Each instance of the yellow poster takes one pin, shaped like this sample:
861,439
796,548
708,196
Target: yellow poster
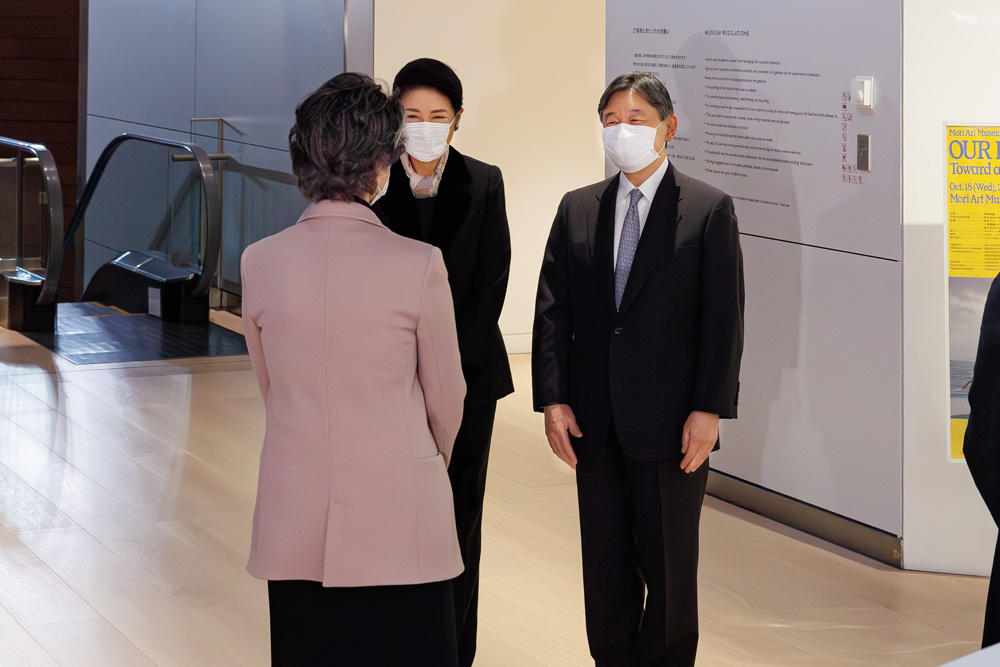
973,201
973,196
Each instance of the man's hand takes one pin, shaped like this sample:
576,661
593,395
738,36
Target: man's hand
701,432
560,422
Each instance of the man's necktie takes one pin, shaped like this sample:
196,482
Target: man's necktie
627,245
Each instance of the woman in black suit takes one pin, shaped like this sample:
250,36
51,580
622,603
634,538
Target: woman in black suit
456,203
982,441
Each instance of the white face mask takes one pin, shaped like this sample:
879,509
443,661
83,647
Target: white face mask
427,141
630,147
382,190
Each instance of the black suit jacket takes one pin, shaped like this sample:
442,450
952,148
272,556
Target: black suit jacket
676,343
469,225
982,437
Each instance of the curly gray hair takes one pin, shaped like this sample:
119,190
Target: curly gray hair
343,133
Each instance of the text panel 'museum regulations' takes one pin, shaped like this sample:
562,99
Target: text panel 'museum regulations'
766,113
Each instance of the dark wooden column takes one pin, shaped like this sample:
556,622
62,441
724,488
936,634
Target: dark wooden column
40,90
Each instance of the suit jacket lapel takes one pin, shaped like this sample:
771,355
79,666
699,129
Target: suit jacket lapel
657,241
602,239
453,200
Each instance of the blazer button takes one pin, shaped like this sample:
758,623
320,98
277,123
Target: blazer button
618,331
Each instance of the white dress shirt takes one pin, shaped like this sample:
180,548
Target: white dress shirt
625,188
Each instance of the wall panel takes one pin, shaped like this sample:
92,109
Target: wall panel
820,406
254,67
154,67
142,61
762,91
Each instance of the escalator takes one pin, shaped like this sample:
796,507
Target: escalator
147,233
30,252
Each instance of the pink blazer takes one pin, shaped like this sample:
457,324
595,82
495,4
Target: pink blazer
351,334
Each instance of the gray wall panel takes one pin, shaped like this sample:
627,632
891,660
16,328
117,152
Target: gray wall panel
129,207
153,68
820,405
255,66
360,25
145,200
142,61
102,130
759,92
260,198
766,114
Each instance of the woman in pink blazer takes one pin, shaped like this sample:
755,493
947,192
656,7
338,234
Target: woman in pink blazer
351,333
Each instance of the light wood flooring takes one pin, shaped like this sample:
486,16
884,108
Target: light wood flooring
125,500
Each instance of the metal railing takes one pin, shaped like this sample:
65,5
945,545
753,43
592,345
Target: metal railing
212,225
50,198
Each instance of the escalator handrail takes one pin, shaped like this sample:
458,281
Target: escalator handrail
53,191
210,188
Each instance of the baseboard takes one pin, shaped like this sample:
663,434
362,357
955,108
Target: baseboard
830,526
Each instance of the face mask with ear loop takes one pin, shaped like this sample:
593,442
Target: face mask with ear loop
382,190
385,186
630,147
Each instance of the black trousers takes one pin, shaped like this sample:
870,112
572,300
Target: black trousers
371,626
639,525
467,470
991,625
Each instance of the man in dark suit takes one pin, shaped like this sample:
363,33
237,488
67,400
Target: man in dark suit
982,441
637,344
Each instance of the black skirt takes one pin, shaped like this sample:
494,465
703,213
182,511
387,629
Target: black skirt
376,626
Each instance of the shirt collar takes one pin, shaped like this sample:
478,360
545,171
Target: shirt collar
427,185
343,210
648,187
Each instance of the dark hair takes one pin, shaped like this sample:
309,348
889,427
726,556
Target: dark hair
343,132
429,73
647,85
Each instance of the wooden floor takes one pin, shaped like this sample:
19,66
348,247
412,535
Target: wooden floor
125,500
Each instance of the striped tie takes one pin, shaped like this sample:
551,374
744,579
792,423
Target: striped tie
627,245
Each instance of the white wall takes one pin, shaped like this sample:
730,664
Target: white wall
945,525
532,74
